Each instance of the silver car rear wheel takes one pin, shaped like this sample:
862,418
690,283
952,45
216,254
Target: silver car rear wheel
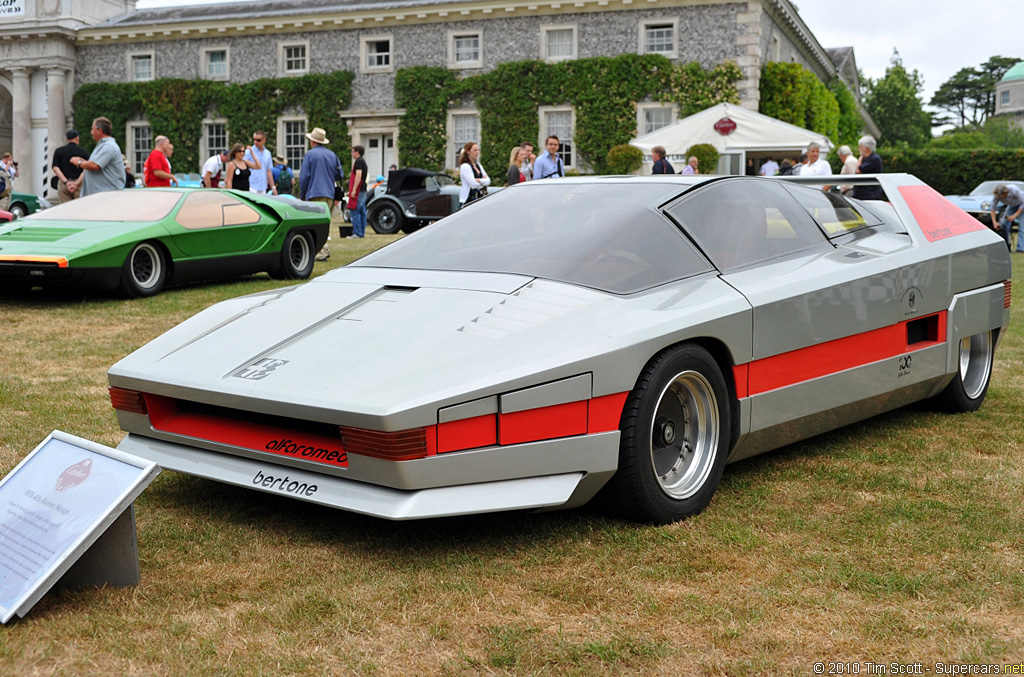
967,390
976,363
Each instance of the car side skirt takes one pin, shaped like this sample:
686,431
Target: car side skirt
527,481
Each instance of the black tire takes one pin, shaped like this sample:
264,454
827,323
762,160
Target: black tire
19,210
297,257
675,438
386,218
413,226
144,271
969,386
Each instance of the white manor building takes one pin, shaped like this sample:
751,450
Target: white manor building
50,47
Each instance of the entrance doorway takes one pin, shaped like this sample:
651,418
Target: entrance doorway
380,153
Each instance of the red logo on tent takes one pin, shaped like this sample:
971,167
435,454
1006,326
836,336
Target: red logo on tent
725,126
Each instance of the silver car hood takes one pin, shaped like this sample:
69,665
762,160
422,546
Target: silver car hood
385,349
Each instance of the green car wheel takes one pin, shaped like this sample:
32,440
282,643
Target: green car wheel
144,271
297,256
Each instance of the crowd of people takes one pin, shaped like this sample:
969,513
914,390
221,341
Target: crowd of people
523,165
811,163
77,172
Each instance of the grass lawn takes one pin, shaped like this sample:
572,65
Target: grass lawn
895,540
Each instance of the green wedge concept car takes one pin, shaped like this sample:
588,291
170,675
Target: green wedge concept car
139,241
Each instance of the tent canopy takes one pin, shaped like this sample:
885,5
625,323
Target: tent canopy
754,132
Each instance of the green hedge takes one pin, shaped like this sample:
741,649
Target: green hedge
707,158
791,93
955,172
176,109
604,92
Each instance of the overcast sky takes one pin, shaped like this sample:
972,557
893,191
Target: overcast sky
935,37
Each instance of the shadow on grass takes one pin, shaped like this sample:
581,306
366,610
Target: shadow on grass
242,509
193,498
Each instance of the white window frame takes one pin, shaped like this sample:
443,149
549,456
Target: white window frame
204,142
204,61
282,58
453,63
364,52
641,120
542,112
646,24
282,148
453,152
1004,97
130,155
132,56
548,28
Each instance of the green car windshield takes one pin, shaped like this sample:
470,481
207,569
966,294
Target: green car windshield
122,205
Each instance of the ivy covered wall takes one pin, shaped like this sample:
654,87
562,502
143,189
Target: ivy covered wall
176,109
604,92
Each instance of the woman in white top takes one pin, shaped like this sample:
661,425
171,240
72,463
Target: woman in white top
474,178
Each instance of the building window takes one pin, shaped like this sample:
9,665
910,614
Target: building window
1004,97
463,127
652,117
376,54
464,50
658,37
293,136
215,136
140,138
294,58
558,43
559,122
215,63
140,66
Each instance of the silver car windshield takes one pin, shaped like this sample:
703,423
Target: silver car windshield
602,235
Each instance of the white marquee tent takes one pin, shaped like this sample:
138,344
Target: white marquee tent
754,134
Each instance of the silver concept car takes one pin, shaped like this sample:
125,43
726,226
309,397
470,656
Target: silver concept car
617,337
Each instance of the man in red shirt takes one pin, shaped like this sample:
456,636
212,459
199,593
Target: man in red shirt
157,170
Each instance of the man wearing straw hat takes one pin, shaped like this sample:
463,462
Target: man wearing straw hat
321,170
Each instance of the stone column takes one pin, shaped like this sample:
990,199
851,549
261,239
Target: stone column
748,44
55,118
21,140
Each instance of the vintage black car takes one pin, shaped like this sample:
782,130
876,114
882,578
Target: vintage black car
414,198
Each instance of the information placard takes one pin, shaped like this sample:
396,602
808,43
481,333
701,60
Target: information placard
53,506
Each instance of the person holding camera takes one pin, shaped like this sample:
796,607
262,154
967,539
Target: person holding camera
8,172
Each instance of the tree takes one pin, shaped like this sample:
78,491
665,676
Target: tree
969,96
894,101
1003,133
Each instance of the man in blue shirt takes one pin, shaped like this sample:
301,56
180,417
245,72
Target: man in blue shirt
261,179
549,165
321,170
104,170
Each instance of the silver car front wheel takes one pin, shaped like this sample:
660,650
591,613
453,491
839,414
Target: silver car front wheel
674,438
